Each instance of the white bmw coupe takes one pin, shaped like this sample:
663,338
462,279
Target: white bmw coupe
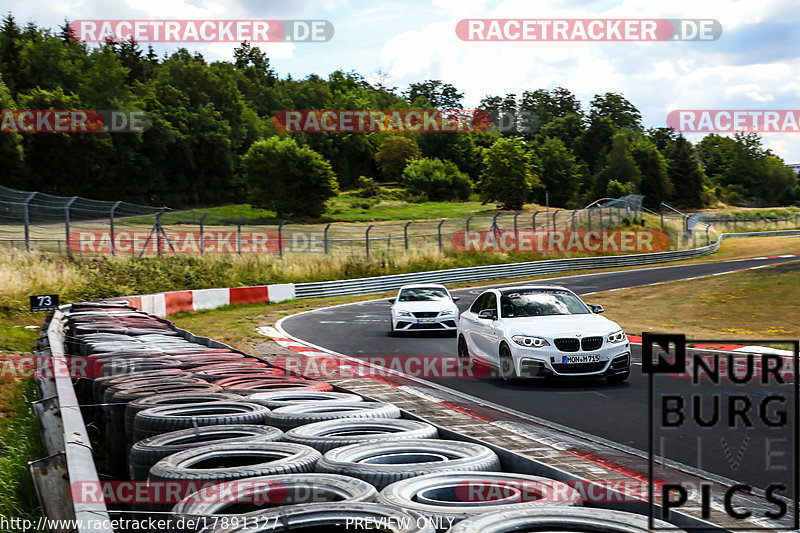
543,331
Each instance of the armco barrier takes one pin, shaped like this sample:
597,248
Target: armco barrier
511,270
167,303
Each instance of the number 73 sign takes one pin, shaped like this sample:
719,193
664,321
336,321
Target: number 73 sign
44,302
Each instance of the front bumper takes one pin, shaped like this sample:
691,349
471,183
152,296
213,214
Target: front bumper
410,323
548,362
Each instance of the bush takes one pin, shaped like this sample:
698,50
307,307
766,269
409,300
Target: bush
436,180
368,188
287,178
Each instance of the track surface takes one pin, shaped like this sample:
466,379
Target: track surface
617,413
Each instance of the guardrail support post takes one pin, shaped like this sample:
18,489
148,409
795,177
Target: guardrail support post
111,225
202,239
405,234
325,238
439,232
280,238
366,239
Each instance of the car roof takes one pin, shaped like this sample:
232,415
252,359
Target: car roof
422,286
508,290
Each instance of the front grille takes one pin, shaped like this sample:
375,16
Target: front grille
568,345
579,368
426,314
435,325
591,343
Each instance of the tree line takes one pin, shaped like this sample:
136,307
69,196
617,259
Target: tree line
212,139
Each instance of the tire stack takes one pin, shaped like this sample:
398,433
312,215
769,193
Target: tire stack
276,452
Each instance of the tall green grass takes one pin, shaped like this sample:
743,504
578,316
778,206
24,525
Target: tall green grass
19,443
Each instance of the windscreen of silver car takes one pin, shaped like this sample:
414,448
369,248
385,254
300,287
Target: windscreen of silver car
540,304
431,294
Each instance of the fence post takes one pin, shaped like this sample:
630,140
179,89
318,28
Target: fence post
439,231
468,219
555,214
325,238
158,232
27,221
589,218
202,234
111,223
573,220
66,220
494,221
366,239
239,236
707,228
516,231
405,234
661,214
533,220
280,238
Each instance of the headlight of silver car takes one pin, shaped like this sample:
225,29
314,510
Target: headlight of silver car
402,313
617,336
447,312
530,342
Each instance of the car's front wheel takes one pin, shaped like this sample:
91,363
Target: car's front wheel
463,350
506,364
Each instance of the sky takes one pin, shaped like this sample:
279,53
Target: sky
754,65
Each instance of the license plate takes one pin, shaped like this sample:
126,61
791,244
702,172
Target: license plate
426,320
572,359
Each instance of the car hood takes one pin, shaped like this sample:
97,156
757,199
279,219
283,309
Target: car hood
424,306
562,325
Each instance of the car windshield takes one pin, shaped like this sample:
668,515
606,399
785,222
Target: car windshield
540,303
423,294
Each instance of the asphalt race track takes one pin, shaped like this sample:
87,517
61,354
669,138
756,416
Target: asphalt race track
616,413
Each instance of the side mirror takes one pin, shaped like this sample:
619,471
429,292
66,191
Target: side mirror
488,314
596,308
456,298
391,300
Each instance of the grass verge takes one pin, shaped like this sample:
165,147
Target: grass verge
754,304
19,443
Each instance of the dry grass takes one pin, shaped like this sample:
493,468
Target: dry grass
751,304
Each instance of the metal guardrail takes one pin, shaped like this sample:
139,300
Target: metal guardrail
70,457
510,270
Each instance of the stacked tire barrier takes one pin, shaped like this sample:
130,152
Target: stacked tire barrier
260,449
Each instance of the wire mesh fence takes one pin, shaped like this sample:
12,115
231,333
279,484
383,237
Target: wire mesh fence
44,222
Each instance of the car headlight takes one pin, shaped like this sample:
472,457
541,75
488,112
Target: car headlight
402,313
530,342
617,336
447,312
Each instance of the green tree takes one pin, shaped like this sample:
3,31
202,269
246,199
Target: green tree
685,173
560,173
508,174
394,153
436,180
287,178
439,95
655,185
619,166
623,114
11,154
